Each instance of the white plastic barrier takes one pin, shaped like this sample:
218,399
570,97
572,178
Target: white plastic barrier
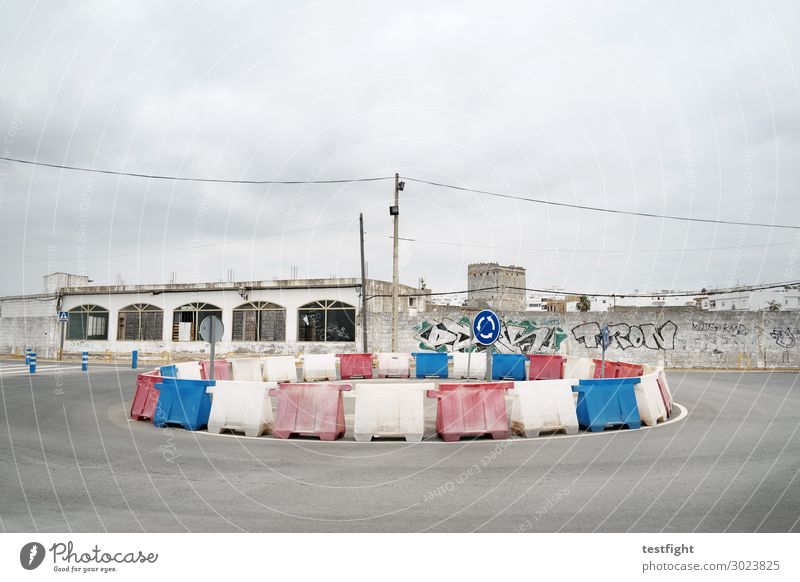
319,367
543,406
280,369
394,410
188,371
576,367
393,364
476,363
649,400
241,406
247,370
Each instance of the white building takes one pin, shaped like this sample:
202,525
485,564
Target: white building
762,299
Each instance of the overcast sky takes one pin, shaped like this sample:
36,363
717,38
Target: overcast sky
670,108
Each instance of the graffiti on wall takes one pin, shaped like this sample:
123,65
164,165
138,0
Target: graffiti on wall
733,329
784,337
521,336
624,336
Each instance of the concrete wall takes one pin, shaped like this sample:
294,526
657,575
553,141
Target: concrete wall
29,322
682,338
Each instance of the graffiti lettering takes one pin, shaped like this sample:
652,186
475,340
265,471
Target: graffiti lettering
626,336
735,329
520,337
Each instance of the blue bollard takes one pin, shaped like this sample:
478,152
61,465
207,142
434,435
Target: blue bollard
85,362
27,356
32,363
135,359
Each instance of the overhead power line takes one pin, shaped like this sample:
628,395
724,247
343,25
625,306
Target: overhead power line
417,180
746,289
599,250
600,209
188,178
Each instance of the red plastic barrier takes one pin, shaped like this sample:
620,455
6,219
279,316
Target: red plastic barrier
223,370
612,369
545,367
471,410
355,366
310,410
146,397
625,370
665,396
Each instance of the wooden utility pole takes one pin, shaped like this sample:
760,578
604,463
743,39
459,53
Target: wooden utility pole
363,286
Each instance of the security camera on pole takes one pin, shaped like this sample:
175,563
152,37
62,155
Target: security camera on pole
395,212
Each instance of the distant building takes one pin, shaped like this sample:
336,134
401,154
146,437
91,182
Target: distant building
781,299
495,286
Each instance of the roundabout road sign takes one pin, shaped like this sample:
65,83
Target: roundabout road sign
486,327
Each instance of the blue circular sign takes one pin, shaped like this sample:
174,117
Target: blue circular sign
486,327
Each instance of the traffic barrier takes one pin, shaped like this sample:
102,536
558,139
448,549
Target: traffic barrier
605,402
183,402
241,406
319,367
84,361
247,370
134,359
543,406
626,370
28,356
649,402
390,410
355,366
476,363
471,410
508,367
32,363
310,410
145,399
611,369
393,365
663,387
576,367
222,370
431,364
168,371
545,367
280,369
188,371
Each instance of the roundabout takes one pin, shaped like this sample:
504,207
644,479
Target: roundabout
76,462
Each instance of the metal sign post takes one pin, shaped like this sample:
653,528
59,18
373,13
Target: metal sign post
63,317
486,329
211,330
604,343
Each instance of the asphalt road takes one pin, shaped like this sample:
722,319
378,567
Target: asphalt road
71,461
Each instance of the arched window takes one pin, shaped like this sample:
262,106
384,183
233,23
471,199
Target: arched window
186,320
88,322
326,321
140,321
259,321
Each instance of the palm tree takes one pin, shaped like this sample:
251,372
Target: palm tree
773,306
584,304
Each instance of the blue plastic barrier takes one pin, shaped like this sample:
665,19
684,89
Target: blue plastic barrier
85,362
169,371
183,402
32,363
607,401
135,359
431,364
508,367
